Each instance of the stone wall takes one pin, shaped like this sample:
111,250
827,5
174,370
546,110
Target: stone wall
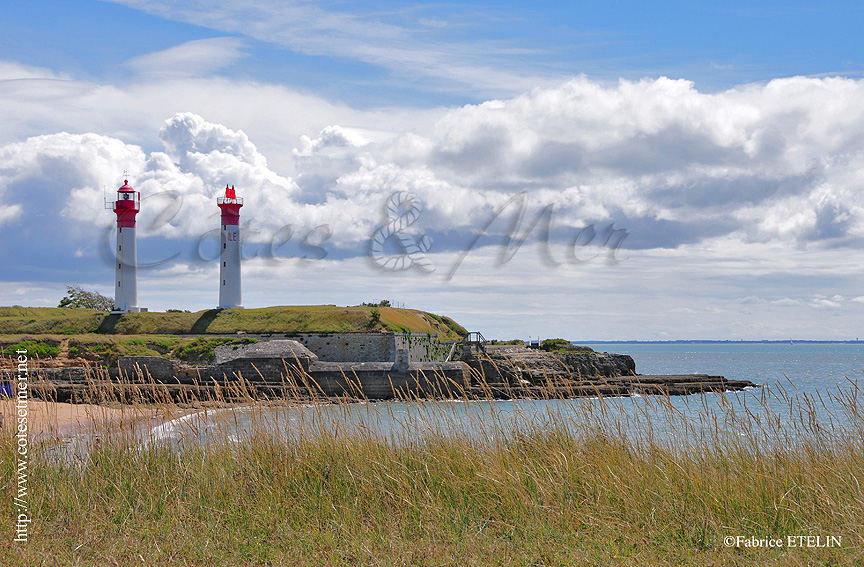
378,381
424,348
135,368
366,347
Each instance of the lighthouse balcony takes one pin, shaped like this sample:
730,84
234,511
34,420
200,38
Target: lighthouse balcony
134,202
229,201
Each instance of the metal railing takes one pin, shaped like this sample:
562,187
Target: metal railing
477,339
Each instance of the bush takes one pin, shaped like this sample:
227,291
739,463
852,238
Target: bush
33,348
510,342
561,345
83,299
374,318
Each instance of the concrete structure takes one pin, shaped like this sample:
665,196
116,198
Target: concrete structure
126,207
229,253
288,366
369,347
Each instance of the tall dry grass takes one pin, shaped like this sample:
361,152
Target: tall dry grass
654,481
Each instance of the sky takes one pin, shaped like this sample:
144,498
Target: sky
585,170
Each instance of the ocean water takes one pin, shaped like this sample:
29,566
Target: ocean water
806,392
809,366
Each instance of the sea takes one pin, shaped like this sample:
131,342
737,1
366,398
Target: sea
807,392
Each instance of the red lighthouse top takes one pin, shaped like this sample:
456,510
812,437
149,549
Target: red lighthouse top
230,206
127,205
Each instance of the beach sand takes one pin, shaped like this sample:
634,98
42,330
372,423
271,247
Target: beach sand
47,420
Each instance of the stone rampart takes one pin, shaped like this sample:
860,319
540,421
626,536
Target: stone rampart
366,347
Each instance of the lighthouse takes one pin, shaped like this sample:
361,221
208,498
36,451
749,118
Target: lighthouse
126,206
229,253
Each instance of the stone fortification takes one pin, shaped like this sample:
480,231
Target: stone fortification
286,366
366,347
267,358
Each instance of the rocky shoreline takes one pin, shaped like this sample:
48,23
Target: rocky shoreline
286,368
520,372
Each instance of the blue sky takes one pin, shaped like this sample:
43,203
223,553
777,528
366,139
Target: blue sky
716,46
725,140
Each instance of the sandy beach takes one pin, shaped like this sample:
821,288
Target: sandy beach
61,420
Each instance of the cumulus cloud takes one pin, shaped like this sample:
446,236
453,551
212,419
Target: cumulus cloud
63,174
35,101
656,157
758,184
779,161
330,137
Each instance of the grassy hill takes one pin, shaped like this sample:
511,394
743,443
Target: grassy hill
285,319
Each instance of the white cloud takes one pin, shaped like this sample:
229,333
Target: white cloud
63,174
824,303
37,102
12,71
738,194
413,50
9,212
196,58
661,159
333,136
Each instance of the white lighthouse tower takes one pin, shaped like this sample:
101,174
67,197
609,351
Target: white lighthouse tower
229,253
126,206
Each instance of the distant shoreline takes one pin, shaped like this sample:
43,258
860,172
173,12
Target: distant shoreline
717,341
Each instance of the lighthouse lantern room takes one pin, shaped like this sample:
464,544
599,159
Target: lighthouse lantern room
126,207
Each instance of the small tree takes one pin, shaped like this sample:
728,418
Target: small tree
77,298
374,318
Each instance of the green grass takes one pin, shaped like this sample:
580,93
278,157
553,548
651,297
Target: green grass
49,320
568,493
284,319
33,349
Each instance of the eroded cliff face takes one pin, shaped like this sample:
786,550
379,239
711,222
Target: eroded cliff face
519,372
598,364
519,365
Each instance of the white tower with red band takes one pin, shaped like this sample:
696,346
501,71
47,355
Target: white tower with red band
126,206
229,253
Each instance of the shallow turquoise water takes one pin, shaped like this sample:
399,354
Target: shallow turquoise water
807,391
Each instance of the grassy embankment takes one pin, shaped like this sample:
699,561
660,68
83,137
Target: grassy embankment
101,338
576,491
300,319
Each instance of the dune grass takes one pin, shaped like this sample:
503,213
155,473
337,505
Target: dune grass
594,485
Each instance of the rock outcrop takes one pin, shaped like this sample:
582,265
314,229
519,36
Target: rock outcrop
517,371
285,367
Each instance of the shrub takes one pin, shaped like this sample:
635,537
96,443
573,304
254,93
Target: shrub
83,299
374,318
34,348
